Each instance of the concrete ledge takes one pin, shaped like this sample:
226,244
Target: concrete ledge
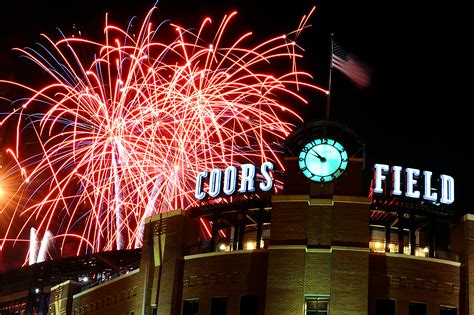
318,250
61,284
351,199
288,247
290,198
222,253
435,260
351,249
302,198
468,217
165,215
106,283
321,202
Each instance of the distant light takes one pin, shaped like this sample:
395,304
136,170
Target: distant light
222,246
250,245
426,249
37,290
84,279
378,245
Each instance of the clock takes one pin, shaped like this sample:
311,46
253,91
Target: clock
323,160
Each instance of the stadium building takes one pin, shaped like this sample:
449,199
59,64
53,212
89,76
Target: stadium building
330,237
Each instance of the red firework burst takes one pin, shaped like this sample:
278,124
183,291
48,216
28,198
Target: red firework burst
123,136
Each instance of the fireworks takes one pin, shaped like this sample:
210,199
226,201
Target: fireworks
122,135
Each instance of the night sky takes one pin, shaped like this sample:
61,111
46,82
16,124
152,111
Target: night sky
416,112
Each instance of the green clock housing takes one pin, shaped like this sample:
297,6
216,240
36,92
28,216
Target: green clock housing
323,160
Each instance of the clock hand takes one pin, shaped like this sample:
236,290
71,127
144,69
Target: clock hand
321,158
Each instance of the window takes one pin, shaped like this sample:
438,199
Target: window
316,305
191,307
385,307
377,239
446,310
249,305
219,306
417,308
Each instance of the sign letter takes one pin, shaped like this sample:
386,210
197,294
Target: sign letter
428,195
447,189
199,194
215,182
230,180
379,177
396,171
411,182
268,184
247,183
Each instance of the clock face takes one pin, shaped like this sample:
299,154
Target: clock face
323,160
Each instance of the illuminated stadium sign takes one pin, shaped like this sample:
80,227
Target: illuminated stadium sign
414,185
226,181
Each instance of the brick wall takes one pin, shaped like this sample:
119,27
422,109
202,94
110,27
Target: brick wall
118,296
158,281
317,278
413,279
350,222
349,281
319,247
285,281
225,274
171,238
61,297
463,242
289,218
320,227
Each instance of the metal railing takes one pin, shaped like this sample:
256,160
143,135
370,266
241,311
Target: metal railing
378,246
226,245
104,277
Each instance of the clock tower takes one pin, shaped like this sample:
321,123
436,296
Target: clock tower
320,225
327,156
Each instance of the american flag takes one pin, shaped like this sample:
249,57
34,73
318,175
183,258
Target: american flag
350,66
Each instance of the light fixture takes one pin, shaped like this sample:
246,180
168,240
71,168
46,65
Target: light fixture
391,247
250,246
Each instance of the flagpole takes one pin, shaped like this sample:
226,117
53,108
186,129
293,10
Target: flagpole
328,100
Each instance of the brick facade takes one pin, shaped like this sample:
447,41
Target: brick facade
318,247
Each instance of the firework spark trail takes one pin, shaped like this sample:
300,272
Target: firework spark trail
123,137
33,246
44,247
